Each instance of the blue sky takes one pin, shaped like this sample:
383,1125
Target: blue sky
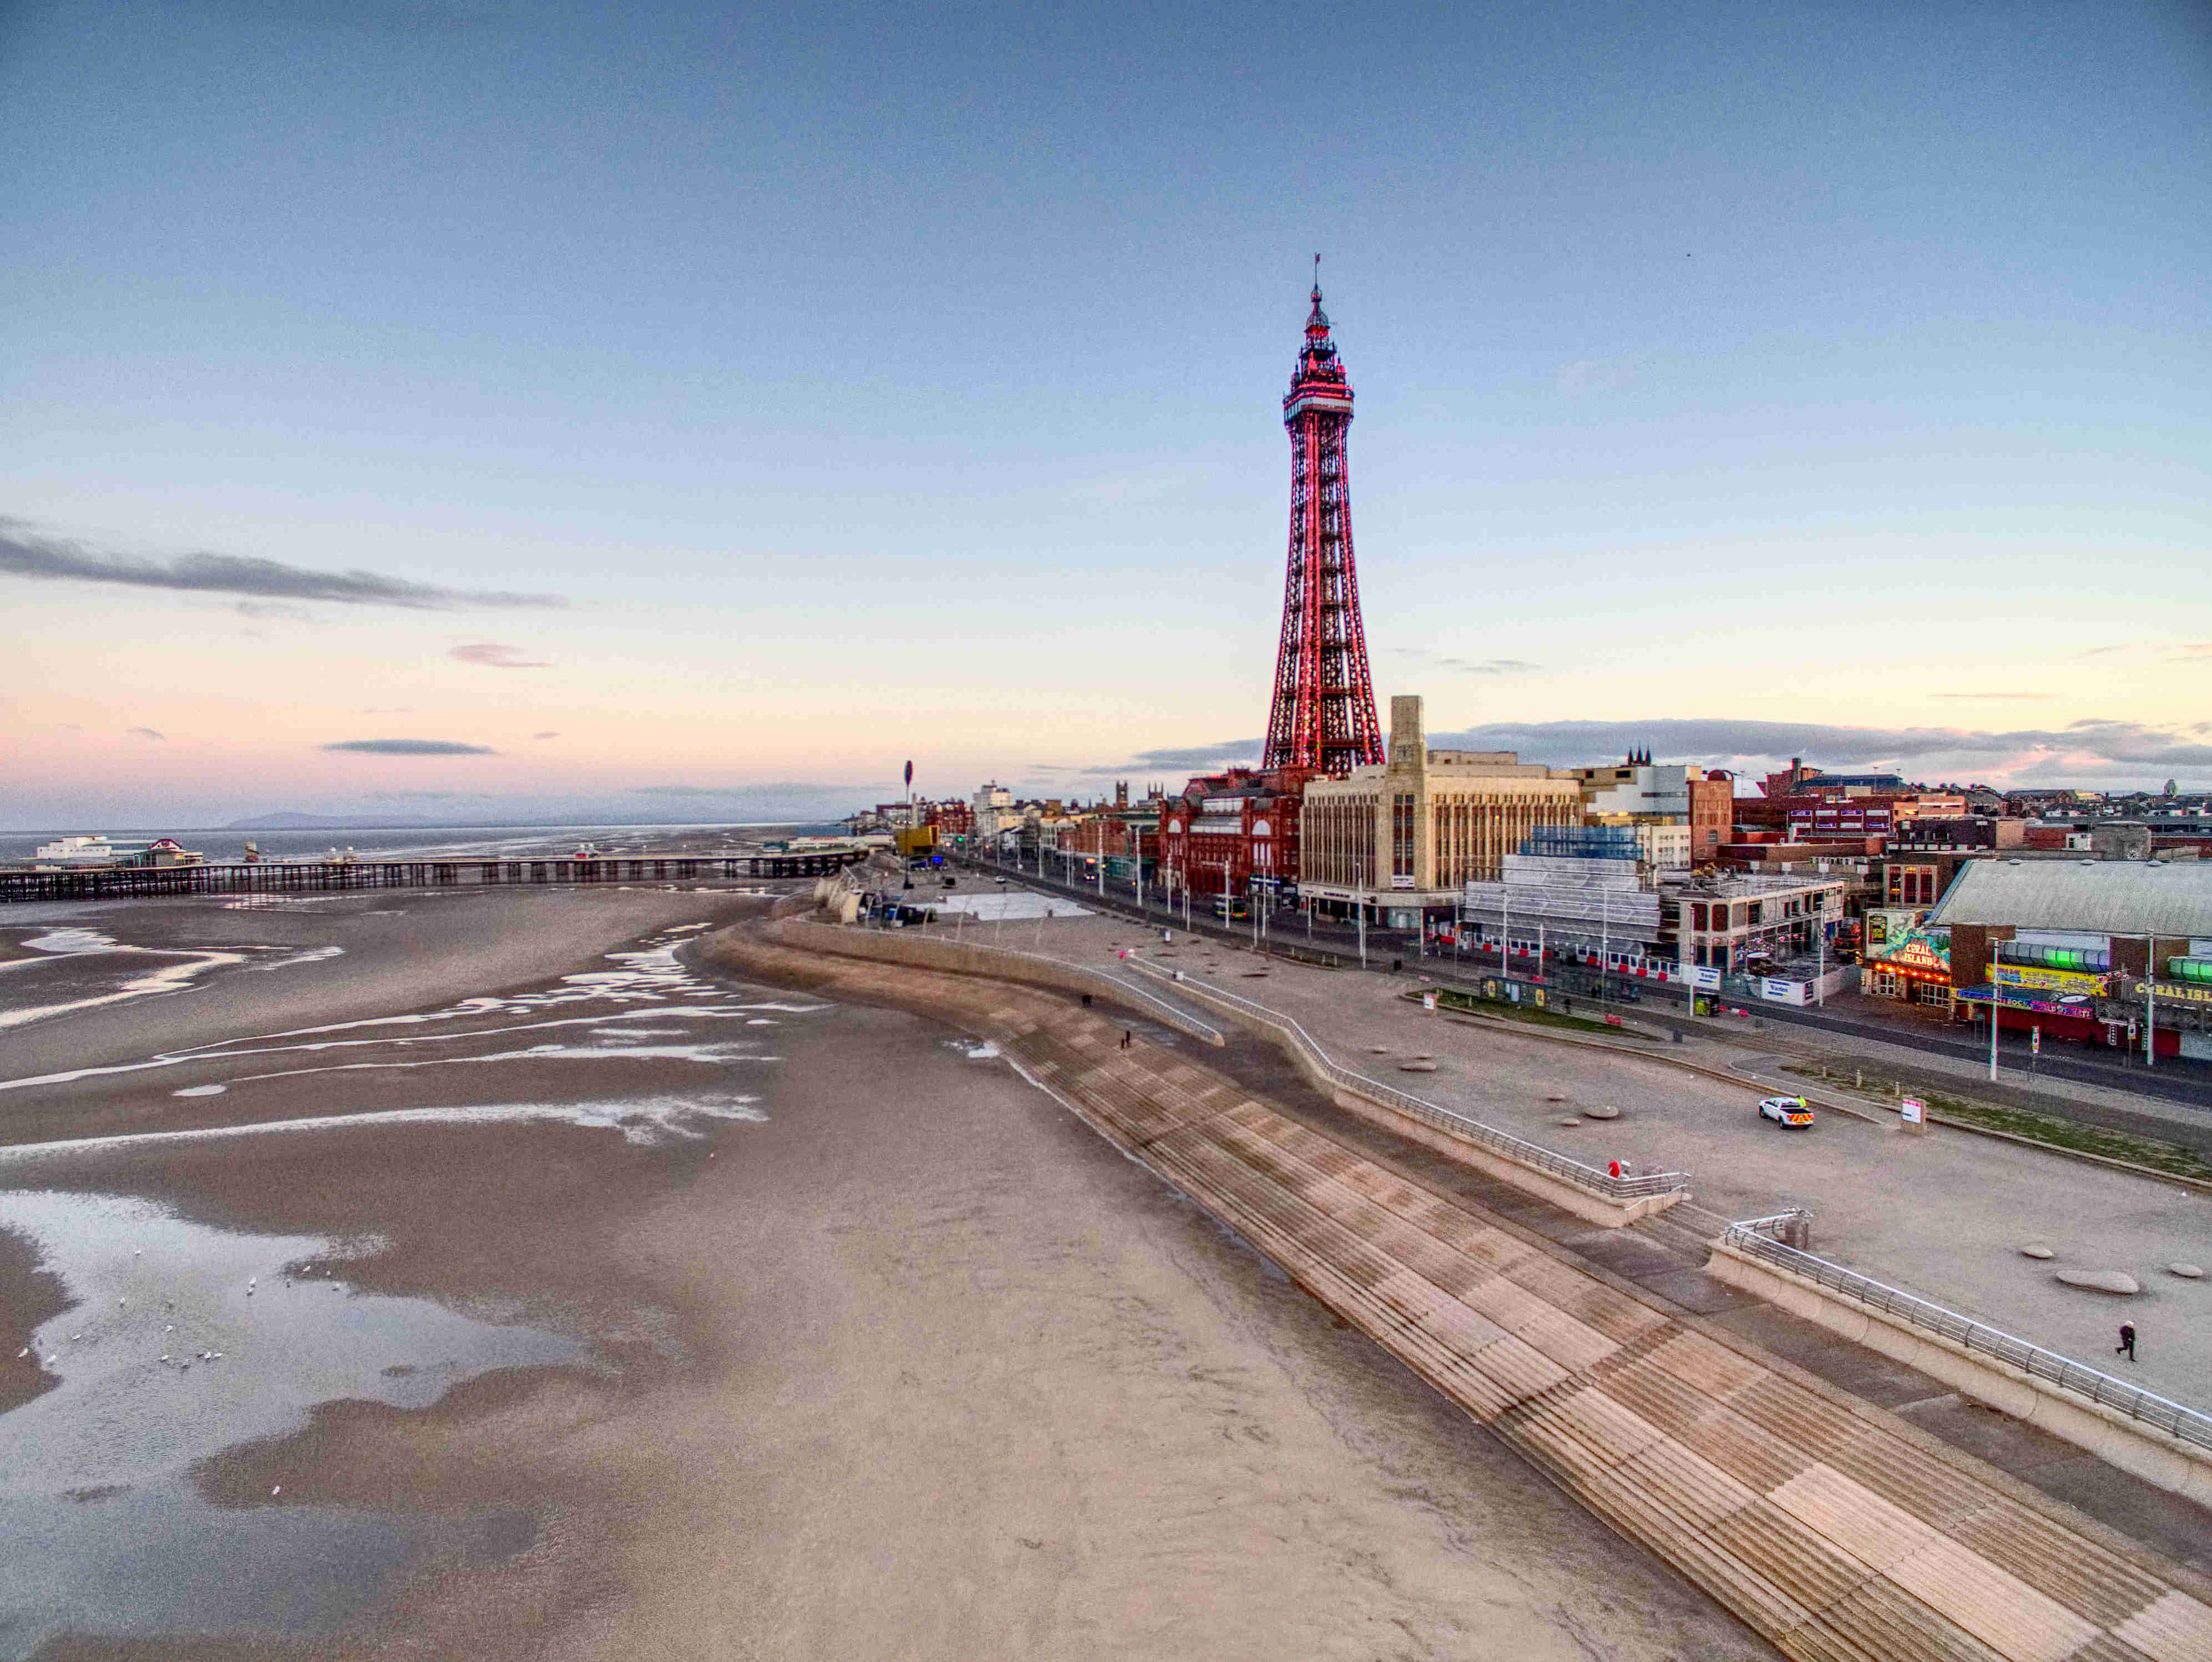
868,383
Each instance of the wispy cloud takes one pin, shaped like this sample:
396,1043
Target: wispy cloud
276,611
1193,756
2089,749
544,735
147,733
492,656
410,747
1989,695
2088,745
25,554
1465,666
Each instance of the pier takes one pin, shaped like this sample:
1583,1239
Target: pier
330,876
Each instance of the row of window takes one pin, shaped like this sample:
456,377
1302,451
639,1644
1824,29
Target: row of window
1911,885
1718,916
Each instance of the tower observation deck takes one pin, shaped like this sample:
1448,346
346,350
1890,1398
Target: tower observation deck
1323,715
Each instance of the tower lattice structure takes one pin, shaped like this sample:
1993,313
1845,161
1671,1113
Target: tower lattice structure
1324,717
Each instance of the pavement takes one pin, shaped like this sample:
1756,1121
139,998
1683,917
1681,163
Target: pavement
1943,1214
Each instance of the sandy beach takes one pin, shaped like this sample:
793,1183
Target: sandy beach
613,1306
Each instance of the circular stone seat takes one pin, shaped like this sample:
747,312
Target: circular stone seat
1417,1067
1603,1111
2101,1281
2037,1250
2187,1272
1566,1119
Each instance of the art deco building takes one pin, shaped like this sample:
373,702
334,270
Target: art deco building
1402,840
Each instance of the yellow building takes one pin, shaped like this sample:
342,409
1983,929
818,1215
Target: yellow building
1402,838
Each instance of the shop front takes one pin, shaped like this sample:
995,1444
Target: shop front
1913,966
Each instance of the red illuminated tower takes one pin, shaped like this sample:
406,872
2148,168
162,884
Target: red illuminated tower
1324,711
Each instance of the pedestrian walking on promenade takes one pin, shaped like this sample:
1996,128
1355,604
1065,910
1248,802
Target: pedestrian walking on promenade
2127,1345
1127,1039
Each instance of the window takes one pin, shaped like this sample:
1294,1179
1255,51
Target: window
1401,835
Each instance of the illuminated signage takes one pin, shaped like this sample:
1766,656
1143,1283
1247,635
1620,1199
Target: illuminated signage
2038,1000
2064,981
2174,989
1887,924
1914,955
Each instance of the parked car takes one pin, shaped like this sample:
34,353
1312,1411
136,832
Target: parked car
1791,1111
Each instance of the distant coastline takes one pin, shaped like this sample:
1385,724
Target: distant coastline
219,843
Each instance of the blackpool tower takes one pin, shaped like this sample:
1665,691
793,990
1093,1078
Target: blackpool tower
1323,716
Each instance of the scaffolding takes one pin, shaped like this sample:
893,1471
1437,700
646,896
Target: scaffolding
1592,895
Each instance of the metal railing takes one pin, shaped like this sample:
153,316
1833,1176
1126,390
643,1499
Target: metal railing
1793,1228
1519,1150
2187,1424
1175,1015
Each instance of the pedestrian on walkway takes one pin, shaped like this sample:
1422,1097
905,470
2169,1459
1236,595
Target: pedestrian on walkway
2127,1345
1127,1039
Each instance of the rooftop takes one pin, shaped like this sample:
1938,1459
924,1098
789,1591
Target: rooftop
2103,897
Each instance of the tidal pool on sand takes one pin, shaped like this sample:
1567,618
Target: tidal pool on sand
182,1341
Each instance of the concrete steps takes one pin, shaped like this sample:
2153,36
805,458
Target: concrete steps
1819,1525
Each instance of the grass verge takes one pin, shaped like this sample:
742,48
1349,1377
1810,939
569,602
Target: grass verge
2050,1129
1450,999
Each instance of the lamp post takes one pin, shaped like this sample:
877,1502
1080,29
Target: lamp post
1604,940
1504,926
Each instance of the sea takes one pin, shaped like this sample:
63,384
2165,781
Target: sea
396,842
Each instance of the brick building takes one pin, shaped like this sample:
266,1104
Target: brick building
1712,813
1234,832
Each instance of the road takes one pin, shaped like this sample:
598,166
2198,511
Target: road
2185,1083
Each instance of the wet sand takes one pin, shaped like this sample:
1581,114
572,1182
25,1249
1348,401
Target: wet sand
915,1365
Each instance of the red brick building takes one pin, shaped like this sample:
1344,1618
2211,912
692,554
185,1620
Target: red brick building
953,817
1712,814
1233,831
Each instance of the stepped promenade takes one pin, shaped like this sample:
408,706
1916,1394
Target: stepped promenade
1833,1528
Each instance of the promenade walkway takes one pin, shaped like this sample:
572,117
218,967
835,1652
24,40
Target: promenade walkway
1944,1215
1831,1529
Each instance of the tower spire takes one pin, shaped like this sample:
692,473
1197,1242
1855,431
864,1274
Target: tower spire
1323,716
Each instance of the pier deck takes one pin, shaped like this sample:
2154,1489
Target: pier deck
301,876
